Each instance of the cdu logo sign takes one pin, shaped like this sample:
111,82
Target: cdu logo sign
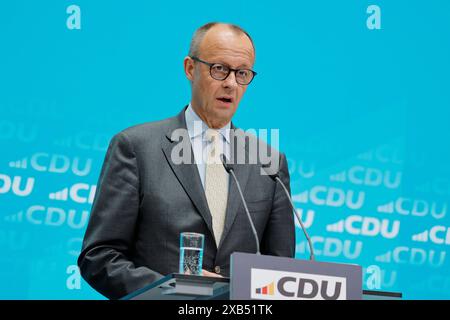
269,289
366,226
359,175
436,235
331,197
415,207
296,286
54,163
17,184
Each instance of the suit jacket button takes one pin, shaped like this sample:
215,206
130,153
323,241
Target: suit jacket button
217,269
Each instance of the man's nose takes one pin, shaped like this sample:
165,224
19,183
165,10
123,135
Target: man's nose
230,81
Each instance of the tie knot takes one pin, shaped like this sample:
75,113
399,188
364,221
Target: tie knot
212,135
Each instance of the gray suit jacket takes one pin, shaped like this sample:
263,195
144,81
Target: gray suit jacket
144,201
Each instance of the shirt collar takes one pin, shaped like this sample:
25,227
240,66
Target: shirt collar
197,127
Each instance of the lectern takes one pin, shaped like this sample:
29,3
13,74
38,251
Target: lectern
264,277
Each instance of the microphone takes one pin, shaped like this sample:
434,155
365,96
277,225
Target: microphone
229,168
275,177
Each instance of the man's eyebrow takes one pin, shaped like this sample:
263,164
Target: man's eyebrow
244,66
219,60
241,66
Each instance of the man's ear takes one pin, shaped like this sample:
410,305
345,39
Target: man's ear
189,68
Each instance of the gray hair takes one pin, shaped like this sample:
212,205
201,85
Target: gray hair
200,33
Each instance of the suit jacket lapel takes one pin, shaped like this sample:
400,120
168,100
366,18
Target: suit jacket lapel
187,174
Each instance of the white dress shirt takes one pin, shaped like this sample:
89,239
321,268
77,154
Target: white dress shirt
200,145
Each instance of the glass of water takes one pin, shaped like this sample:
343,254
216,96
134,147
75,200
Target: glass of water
191,253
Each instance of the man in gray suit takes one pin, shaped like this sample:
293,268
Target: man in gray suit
146,197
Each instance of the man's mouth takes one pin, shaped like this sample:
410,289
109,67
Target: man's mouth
225,99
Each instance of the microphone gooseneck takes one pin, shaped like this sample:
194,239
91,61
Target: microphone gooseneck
230,170
274,176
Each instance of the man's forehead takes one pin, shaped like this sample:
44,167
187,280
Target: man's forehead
220,49
233,58
223,38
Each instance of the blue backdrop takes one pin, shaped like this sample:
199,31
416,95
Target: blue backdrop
360,94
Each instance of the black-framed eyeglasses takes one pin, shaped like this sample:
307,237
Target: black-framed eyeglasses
221,71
